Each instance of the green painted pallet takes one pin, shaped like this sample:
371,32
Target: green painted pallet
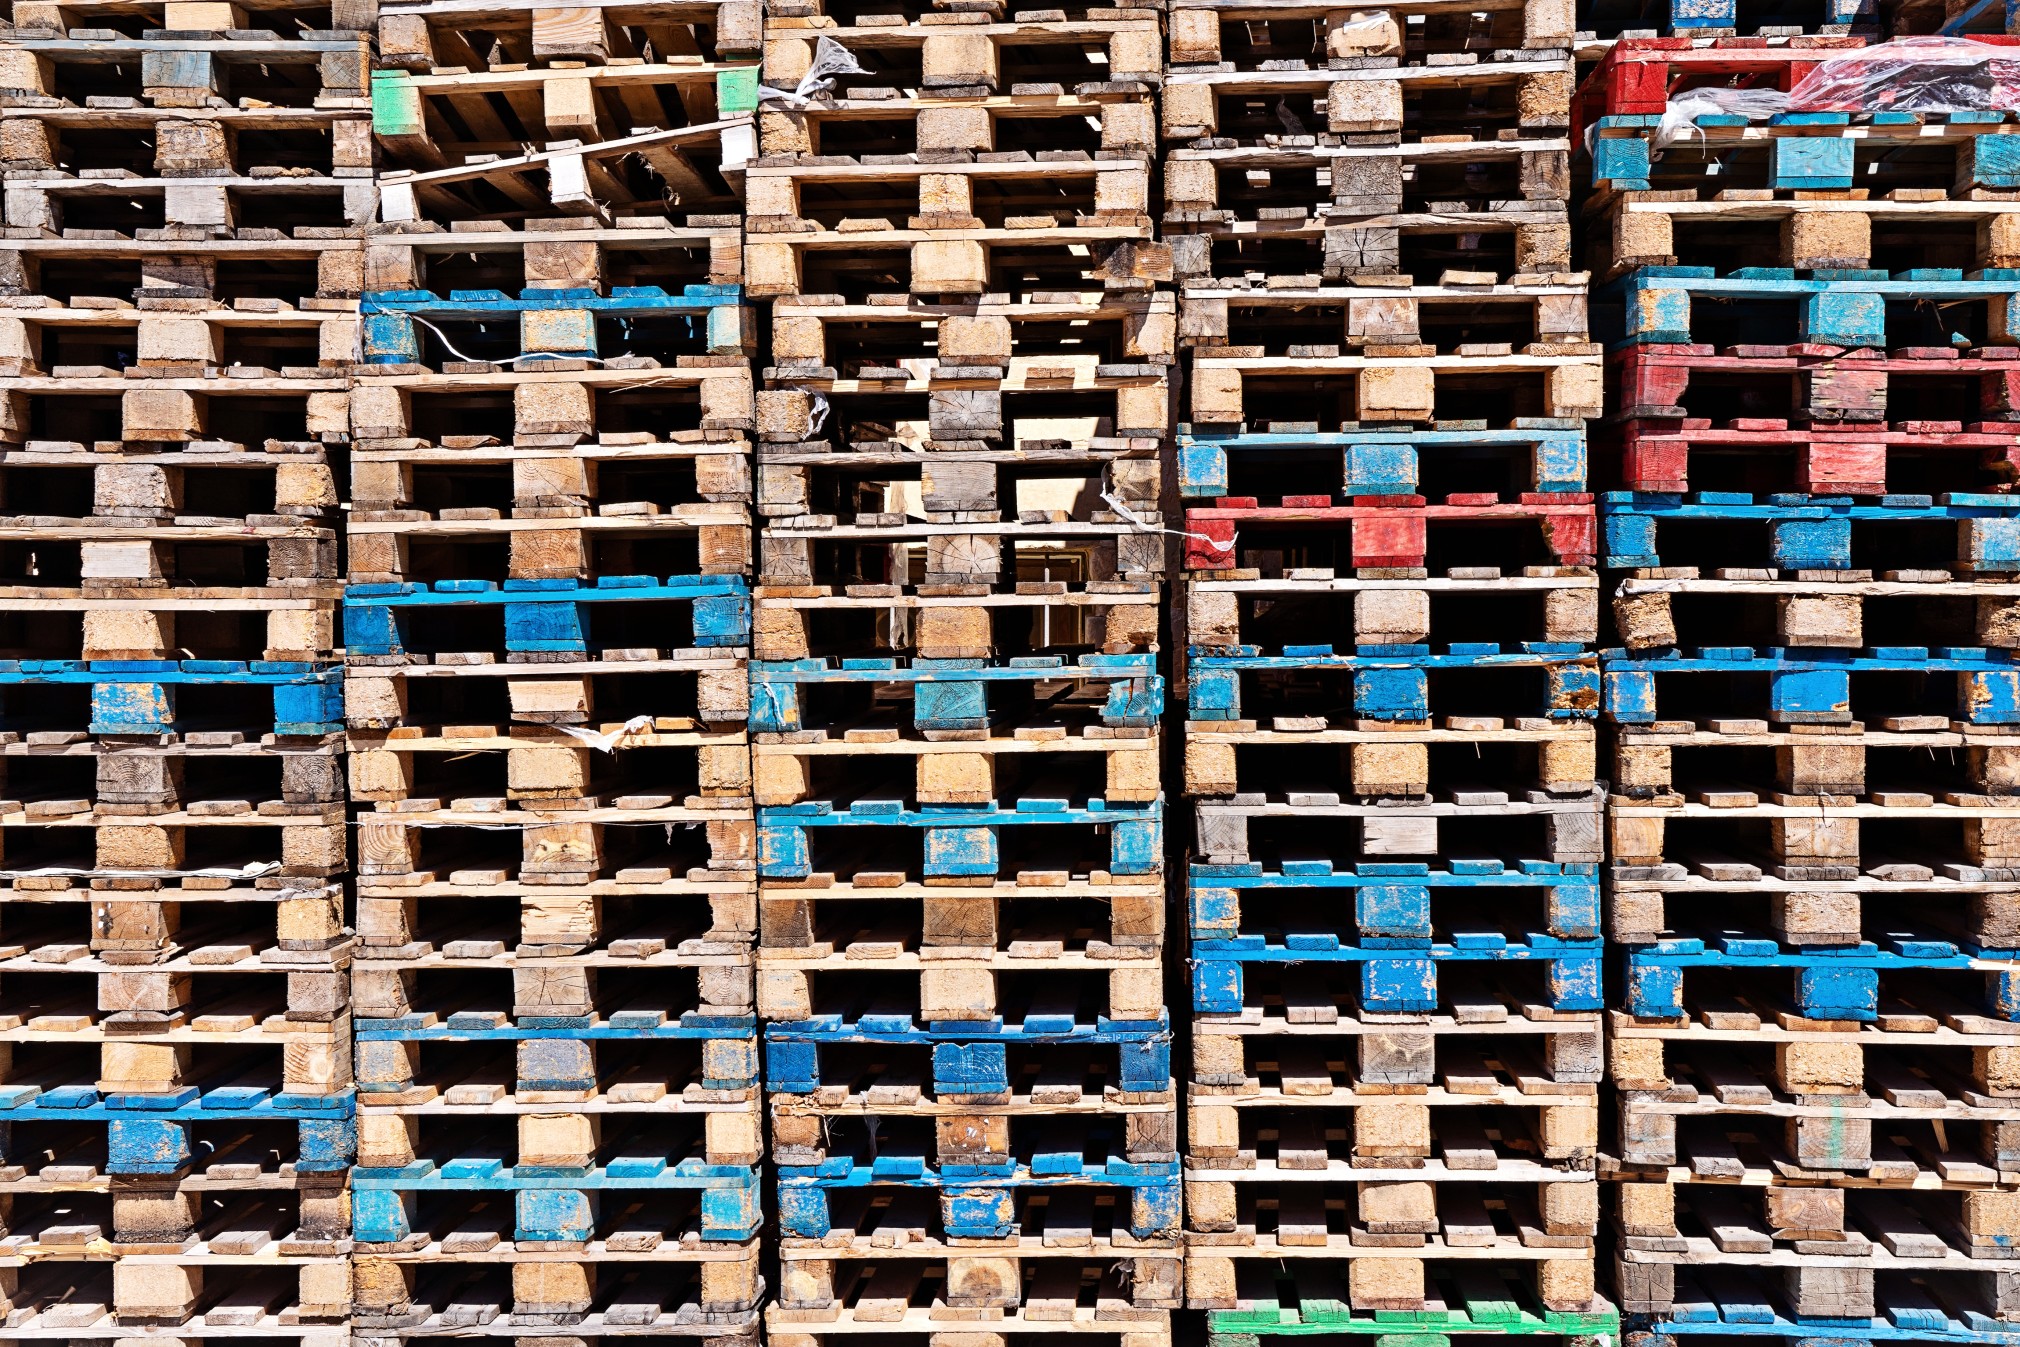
1309,1302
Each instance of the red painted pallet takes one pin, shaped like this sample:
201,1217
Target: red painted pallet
1389,531
1827,383
1654,454
1639,76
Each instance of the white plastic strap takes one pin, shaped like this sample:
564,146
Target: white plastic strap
612,740
1145,526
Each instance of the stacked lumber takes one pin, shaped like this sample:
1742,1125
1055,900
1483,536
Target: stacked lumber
1389,612
955,689
184,185
547,629
1811,835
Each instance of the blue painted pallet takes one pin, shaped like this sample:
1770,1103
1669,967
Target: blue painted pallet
953,694
959,839
979,1201
1806,157
150,1133
552,1203
556,1051
969,1056
137,696
1707,18
553,324
1814,685
1835,308
544,616
1398,966
1392,899
1741,1303
1391,682
1384,460
1811,533
1835,983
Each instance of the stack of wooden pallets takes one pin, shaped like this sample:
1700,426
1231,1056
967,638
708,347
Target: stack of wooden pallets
179,265
547,629
590,596
1812,828
1389,612
956,691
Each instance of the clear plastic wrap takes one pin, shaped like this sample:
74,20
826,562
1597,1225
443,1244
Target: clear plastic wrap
1914,74
831,59
1679,118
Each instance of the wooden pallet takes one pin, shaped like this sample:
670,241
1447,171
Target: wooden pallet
1243,607
424,35
1062,540
1231,384
1827,459
1909,1120
1269,33
571,251
1812,386
1390,942
1368,100
1397,689
1535,455
196,1221
1812,836
1774,21
249,1298
1563,829
606,184
1078,1263
1806,686
1227,231
1638,77
1280,1135
1389,535
966,227
1814,228
281,620
1088,834
1963,899
1819,1288
233,1028
959,691
635,1284
1736,1304
1809,539
923,1326
1309,1051
687,119
1046,1047
1461,1300
1239,1270
208,774
616,1059
253,1136
971,990
1302,317
1115,617
326,71
1844,311
982,1135
988,1203
1959,174
796,933
983,418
